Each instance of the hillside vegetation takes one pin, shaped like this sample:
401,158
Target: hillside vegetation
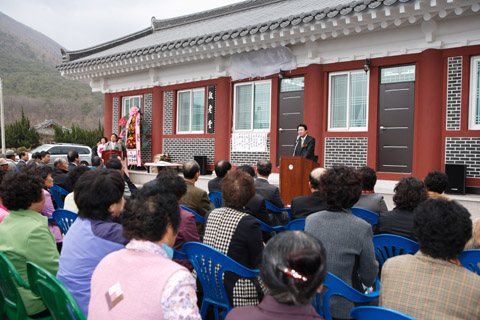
29,78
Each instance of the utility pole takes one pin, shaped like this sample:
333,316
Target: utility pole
2,117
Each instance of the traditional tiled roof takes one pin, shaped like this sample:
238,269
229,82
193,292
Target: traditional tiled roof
232,22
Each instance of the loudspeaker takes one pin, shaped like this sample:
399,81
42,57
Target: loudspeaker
202,161
456,178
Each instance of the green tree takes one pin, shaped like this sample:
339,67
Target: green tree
79,135
21,134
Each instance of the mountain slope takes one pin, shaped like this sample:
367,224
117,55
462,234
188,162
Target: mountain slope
29,77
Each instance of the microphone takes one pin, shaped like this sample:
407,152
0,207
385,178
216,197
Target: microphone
296,144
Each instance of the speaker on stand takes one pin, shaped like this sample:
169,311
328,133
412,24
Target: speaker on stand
457,180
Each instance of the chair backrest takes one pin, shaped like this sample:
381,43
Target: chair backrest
56,297
198,217
64,219
470,259
179,255
389,245
215,198
58,195
9,280
270,206
210,266
378,313
297,224
367,215
335,286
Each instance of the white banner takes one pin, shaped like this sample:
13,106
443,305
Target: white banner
249,142
131,157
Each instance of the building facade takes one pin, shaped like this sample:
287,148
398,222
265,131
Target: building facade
392,84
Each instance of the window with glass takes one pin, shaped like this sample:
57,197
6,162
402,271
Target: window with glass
348,101
474,110
191,111
252,106
130,102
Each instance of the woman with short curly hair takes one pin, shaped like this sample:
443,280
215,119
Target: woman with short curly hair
409,193
347,239
148,284
24,232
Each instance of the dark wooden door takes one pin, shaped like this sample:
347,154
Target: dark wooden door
290,114
395,127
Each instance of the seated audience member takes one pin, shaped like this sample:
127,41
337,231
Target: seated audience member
436,183
23,160
147,283
409,193
369,199
24,233
3,209
237,234
168,181
75,174
293,269
45,173
60,174
4,165
256,206
93,235
474,242
97,162
195,198
10,157
306,205
116,164
73,160
432,284
266,190
44,158
35,159
221,169
347,239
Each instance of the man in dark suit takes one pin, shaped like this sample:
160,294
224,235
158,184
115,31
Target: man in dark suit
73,160
195,198
305,144
60,174
221,169
263,187
306,205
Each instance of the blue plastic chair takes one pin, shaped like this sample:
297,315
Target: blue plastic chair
367,215
177,255
270,206
64,219
215,198
390,245
210,266
12,303
378,313
336,287
470,259
58,195
297,224
198,217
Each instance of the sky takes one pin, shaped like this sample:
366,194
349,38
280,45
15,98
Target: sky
80,24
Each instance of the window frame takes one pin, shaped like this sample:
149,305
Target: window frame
474,80
347,128
252,83
191,109
126,114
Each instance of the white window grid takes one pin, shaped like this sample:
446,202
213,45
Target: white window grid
347,126
129,102
190,131
252,84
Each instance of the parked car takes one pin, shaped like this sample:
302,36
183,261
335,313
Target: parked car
62,149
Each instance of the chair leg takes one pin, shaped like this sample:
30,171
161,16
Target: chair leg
203,309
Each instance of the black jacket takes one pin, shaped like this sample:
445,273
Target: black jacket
61,179
306,205
308,149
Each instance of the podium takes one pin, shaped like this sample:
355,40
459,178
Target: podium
106,154
294,172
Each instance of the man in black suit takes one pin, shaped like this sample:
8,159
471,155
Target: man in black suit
73,160
303,206
60,174
263,187
221,169
305,144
